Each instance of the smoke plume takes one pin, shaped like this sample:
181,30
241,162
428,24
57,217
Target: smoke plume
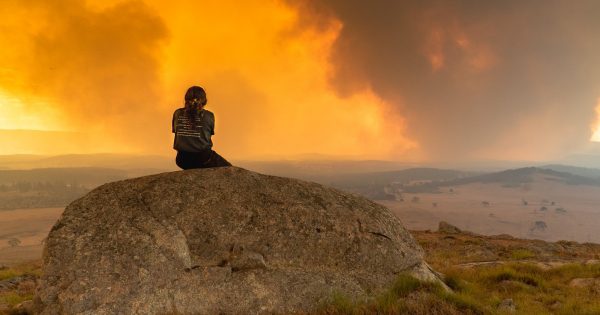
118,69
442,80
98,67
486,79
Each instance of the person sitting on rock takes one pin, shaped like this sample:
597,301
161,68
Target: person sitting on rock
193,127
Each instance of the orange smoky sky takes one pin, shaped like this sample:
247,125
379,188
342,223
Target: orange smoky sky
416,80
115,71
474,79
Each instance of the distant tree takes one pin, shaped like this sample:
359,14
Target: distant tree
560,210
14,242
485,203
539,225
552,203
543,209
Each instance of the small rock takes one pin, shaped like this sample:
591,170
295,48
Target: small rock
445,227
507,305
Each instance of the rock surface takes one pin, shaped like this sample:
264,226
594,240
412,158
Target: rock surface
219,241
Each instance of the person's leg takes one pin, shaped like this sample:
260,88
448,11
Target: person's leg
182,160
216,160
188,160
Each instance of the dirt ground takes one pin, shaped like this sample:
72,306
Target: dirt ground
30,227
568,212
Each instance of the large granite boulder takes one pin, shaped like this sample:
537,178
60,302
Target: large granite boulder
217,241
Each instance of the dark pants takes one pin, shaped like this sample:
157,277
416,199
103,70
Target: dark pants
204,159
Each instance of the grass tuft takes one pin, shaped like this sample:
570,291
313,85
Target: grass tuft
12,298
407,295
521,254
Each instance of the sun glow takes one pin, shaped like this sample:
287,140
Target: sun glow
596,127
15,115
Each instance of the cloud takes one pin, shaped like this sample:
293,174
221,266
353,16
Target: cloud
99,68
473,79
117,70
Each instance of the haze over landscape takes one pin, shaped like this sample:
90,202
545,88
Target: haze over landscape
319,90
482,115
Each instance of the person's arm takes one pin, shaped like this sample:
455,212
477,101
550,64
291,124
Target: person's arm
173,122
212,127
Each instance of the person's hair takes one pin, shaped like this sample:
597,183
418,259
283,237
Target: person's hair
195,97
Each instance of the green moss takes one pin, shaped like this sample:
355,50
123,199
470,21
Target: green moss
8,274
25,269
13,298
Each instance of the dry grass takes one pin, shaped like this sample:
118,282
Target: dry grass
25,290
534,290
480,289
407,296
33,269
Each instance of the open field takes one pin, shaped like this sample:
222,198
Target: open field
29,227
563,212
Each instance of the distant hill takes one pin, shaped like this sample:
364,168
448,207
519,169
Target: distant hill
396,177
380,185
56,187
86,176
320,170
524,175
102,160
305,169
575,170
508,178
